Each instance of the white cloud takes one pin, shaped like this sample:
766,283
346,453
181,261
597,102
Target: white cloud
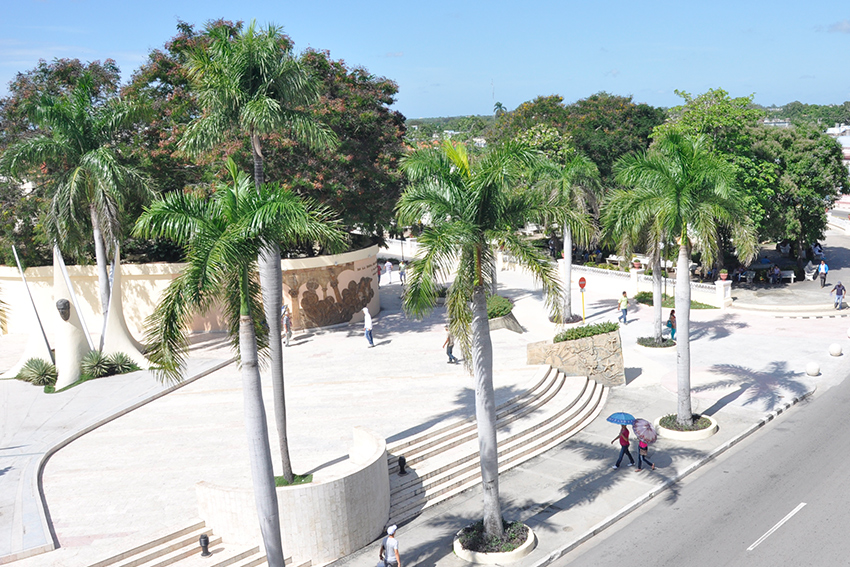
840,27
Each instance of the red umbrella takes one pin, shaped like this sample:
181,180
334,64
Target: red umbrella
644,431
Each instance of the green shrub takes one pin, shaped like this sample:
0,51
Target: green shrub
498,306
668,301
671,422
442,291
473,538
650,342
586,331
39,372
297,479
121,363
96,364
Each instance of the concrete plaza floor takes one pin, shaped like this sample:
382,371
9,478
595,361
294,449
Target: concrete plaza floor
135,476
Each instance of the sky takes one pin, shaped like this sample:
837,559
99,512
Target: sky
453,58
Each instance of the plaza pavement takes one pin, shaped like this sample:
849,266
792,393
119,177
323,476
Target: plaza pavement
133,477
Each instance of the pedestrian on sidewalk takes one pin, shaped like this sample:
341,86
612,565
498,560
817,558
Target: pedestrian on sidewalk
839,292
402,274
388,553
623,306
643,449
389,268
287,325
624,446
671,324
449,344
822,271
380,269
367,326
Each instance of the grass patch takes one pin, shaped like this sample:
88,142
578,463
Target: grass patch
299,479
586,331
669,422
651,343
668,301
498,306
473,538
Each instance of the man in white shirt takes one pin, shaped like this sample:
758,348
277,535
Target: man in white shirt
367,326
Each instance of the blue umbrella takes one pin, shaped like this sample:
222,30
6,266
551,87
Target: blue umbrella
621,418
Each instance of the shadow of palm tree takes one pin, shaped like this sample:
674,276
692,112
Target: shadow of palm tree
716,330
769,386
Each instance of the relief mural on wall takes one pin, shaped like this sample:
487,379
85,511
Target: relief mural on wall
322,303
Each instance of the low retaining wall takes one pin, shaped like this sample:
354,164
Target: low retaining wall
321,521
600,357
321,291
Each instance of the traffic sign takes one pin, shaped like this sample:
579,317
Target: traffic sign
582,282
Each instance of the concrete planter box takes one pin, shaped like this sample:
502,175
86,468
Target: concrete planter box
599,357
507,322
495,558
687,435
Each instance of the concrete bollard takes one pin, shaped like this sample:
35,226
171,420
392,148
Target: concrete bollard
835,349
813,369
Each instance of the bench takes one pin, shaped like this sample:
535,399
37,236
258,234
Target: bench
789,274
614,260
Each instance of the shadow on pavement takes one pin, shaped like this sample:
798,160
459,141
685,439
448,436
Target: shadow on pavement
769,386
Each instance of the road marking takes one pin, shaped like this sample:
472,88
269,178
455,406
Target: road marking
777,526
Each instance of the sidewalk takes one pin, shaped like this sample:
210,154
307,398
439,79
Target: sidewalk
131,477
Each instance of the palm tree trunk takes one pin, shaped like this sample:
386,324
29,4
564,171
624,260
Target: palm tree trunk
272,288
485,412
657,298
259,452
683,323
568,273
100,258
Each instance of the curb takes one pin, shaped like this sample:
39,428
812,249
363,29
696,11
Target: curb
614,518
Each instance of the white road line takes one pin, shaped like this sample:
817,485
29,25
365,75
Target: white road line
777,526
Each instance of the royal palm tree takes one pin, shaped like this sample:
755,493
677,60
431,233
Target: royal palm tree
466,206
252,85
221,237
499,109
680,189
573,189
77,153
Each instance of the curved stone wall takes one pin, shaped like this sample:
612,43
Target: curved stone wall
322,521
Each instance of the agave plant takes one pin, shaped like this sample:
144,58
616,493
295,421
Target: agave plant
39,372
96,365
121,363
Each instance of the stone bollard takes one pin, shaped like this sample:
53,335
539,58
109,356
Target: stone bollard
813,369
835,349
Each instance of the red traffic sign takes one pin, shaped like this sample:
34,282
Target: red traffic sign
582,282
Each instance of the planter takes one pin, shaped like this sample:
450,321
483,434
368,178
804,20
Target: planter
687,435
495,558
507,322
599,357
723,276
636,264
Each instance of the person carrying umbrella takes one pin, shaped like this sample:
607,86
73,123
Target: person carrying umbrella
624,447
646,435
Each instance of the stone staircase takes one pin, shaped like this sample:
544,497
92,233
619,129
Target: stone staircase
444,461
181,549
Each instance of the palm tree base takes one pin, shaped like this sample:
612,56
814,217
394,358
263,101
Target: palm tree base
567,321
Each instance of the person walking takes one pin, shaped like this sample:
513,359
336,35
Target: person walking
823,269
643,449
402,274
449,345
623,306
388,553
624,447
839,292
380,269
287,325
389,268
671,324
367,326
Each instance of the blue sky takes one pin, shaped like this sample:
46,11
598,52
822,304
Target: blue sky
457,58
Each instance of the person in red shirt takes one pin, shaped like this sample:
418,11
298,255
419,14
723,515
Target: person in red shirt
624,447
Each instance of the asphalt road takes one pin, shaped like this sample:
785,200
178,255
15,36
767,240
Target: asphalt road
778,498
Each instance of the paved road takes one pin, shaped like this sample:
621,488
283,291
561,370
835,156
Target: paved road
721,517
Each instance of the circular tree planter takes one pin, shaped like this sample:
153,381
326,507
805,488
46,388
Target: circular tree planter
666,346
687,435
495,558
